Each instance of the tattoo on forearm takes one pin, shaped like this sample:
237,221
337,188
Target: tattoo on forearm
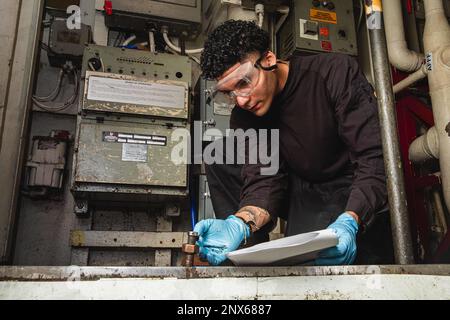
258,216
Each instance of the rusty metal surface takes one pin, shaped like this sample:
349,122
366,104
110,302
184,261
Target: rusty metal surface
18,273
127,239
189,248
135,109
163,258
138,65
106,164
345,287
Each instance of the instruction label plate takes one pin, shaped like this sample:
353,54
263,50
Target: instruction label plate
120,137
134,152
223,109
323,16
136,92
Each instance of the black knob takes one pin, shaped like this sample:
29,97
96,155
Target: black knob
95,63
330,6
316,3
342,34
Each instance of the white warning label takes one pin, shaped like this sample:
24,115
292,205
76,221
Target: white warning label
134,152
223,109
136,92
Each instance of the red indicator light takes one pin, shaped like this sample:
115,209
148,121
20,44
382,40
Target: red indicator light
326,45
324,32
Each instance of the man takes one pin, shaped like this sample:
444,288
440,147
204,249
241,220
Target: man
331,166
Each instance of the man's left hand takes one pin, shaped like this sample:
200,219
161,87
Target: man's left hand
345,228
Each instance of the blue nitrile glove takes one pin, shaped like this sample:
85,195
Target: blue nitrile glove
218,237
346,228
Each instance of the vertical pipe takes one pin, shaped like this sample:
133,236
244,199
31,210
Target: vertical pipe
436,41
386,107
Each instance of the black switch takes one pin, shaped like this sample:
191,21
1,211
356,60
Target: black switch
342,34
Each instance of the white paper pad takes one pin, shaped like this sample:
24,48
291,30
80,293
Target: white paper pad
285,251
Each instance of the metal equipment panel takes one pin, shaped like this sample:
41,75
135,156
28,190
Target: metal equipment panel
127,153
140,66
182,17
185,10
319,26
133,101
67,44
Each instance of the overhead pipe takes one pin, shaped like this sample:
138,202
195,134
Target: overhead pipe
399,55
411,79
386,108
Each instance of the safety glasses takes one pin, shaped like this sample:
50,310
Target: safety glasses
240,83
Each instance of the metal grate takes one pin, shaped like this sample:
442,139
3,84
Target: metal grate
288,45
142,60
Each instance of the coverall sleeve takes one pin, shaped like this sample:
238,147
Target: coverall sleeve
357,116
265,191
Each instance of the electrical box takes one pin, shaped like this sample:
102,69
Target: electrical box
215,12
183,17
46,164
67,44
132,102
318,26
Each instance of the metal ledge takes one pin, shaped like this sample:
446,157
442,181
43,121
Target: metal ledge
25,273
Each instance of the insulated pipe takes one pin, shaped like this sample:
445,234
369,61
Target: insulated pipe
151,39
437,49
412,78
399,55
128,41
425,147
393,165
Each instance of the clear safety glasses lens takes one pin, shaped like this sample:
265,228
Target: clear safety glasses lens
241,81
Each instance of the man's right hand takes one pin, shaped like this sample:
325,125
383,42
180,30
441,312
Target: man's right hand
218,237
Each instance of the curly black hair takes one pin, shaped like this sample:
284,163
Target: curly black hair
229,43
